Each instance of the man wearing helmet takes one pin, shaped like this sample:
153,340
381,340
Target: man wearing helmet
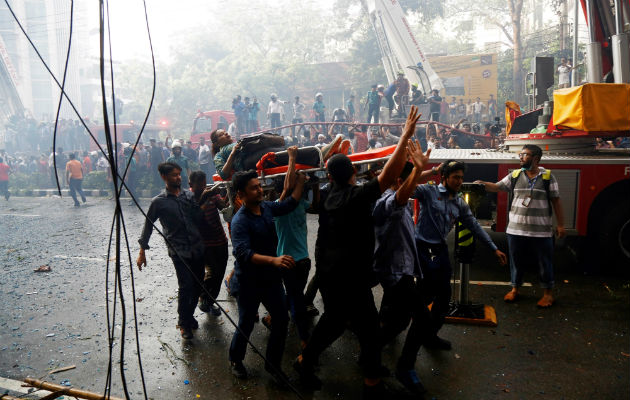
181,160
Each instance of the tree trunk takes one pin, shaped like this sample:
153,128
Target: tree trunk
516,7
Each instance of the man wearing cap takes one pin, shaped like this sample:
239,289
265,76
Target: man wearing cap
178,158
275,111
346,277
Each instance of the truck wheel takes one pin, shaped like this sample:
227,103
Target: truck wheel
613,237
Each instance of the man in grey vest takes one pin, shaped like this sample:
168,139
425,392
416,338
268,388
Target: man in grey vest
534,194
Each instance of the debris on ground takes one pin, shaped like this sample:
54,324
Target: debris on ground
43,268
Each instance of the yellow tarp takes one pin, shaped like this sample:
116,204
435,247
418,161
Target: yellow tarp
593,107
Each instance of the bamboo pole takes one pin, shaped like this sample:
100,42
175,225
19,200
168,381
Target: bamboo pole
82,394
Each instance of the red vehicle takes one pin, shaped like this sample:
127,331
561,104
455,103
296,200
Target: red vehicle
594,184
128,133
207,121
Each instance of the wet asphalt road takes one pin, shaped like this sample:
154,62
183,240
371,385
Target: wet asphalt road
576,350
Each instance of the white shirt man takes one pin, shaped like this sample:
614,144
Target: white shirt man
564,73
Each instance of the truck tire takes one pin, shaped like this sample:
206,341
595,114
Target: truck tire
613,237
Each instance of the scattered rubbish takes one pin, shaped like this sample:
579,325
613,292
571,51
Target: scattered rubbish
625,354
43,268
457,356
50,335
566,281
65,382
69,367
530,352
186,382
139,299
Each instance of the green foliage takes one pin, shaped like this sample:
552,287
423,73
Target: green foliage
97,180
24,181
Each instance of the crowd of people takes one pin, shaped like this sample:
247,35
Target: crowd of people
371,212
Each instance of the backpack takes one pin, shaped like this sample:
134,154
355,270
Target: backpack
546,182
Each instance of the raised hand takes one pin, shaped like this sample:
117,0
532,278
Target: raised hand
410,125
292,151
418,159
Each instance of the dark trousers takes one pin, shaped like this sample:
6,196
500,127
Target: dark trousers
4,189
437,271
295,121
271,295
311,290
188,281
215,260
251,125
275,120
294,282
75,187
346,302
373,113
435,116
402,303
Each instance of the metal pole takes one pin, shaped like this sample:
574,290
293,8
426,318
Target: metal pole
594,48
464,279
576,15
620,50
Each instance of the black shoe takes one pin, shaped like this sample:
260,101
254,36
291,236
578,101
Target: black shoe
204,305
214,310
309,380
437,343
77,205
238,370
410,380
312,311
186,332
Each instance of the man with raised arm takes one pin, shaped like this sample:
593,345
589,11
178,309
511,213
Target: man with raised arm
346,277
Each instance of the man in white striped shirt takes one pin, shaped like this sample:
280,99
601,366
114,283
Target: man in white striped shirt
533,192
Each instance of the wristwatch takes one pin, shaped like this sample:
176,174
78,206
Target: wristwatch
434,170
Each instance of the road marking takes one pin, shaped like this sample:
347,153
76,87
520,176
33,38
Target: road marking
21,215
493,283
80,258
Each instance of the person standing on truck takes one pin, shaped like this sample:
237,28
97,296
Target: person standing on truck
275,111
252,116
441,206
564,74
373,102
435,105
534,195
402,93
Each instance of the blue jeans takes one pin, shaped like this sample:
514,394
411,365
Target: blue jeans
75,186
531,251
271,295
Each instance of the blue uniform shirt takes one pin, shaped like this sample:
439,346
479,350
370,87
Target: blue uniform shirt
395,253
438,214
253,233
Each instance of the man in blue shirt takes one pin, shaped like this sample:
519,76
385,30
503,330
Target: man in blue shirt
397,267
441,207
258,269
373,101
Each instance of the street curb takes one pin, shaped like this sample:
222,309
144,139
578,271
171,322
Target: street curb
66,192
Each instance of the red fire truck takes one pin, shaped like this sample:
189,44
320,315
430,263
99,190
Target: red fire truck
207,121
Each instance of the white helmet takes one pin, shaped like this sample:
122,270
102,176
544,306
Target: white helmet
176,143
319,94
